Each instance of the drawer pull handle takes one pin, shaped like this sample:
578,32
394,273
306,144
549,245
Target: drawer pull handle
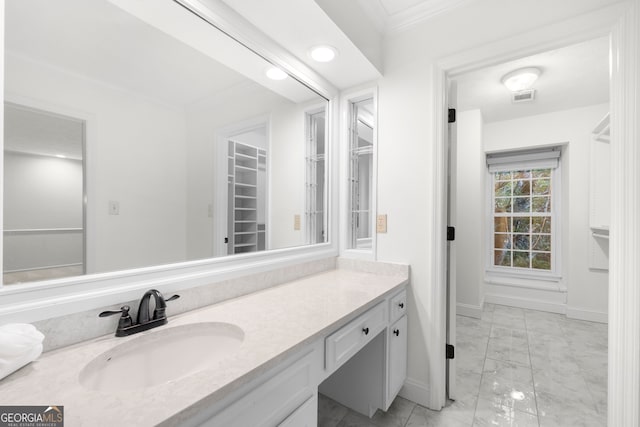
396,332
366,331
401,305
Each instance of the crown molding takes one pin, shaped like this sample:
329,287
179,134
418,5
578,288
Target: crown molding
397,22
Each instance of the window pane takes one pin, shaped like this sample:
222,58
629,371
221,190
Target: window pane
502,188
503,176
541,186
521,241
521,204
521,224
541,261
502,225
540,243
503,205
502,241
502,258
522,188
521,174
541,204
541,173
521,259
541,224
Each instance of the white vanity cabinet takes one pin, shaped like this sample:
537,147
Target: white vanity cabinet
397,359
361,363
396,347
281,396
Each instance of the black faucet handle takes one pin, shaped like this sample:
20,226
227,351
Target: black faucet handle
124,310
173,298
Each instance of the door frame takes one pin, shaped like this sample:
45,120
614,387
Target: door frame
599,23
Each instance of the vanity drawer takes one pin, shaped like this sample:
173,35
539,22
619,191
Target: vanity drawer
398,305
346,341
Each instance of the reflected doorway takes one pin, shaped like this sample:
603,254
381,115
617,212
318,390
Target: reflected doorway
44,208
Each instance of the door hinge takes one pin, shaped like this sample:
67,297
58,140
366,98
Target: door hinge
451,234
450,351
452,115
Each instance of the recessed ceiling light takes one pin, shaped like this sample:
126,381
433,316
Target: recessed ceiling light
275,73
521,79
323,53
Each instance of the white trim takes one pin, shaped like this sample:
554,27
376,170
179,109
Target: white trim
52,298
469,310
416,391
584,314
524,282
624,244
346,98
531,304
437,257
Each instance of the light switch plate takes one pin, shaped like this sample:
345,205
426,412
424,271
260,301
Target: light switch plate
114,207
296,222
381,223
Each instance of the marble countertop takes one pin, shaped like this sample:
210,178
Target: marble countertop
277,322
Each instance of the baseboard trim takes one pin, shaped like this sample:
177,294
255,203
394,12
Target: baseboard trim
531,304
584,314
469,310
415,391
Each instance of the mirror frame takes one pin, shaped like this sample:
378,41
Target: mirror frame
347,98
35,301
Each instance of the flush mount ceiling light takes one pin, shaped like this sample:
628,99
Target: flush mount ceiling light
522,79
323,53
275,73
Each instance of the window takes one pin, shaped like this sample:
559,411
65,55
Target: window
524,212
315,177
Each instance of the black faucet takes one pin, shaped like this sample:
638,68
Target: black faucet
145,322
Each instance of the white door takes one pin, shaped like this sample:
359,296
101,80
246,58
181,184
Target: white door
451,245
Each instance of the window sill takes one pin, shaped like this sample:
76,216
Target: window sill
524,280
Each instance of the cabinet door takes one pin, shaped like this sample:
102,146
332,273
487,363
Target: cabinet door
305,416
397,363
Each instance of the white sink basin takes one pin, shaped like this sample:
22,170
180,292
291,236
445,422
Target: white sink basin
161,356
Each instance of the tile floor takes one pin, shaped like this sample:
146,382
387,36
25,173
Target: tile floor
516,367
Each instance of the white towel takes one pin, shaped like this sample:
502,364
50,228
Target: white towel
19,344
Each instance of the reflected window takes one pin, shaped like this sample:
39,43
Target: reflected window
315,177
361,145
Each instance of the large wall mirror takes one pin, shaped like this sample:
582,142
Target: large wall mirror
137,137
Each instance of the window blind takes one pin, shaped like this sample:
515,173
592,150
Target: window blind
538,158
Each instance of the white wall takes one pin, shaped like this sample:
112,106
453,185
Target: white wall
587,289
470,206
42,192
135,155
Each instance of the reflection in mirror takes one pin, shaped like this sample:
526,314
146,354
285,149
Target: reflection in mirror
43,194
186,158
361,144
315,176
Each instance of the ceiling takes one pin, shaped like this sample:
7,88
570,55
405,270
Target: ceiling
154,48
572,77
